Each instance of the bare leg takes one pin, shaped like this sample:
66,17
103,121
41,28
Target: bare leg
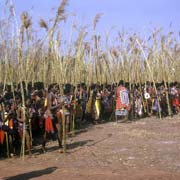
59,128
44,142
28,143
67,123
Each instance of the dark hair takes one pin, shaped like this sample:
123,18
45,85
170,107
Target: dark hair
19,97
121,82
67,88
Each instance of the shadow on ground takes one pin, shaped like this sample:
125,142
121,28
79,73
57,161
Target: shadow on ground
78,144
32,174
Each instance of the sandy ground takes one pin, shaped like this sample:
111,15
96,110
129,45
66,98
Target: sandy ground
147,149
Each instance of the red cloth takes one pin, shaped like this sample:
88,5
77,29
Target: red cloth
176,102
10,124
2,135
49,125
122,98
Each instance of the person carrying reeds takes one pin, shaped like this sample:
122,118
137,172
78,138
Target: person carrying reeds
122,100
2,133
90,106
23,123
10,127
106,103
52,118
97,107
67,102
174,93
83,101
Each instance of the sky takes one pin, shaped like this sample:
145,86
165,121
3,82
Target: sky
131,15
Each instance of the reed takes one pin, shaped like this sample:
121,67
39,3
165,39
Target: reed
87,57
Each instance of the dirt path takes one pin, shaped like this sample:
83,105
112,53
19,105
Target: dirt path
146,149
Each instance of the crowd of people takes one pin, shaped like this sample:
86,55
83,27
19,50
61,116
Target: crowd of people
41,114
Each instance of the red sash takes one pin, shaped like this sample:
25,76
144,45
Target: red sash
49,125
2,134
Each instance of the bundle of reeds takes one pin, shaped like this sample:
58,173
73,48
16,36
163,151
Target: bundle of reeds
24,57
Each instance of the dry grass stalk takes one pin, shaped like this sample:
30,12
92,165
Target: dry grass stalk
43,24
62,6
96,20
26,20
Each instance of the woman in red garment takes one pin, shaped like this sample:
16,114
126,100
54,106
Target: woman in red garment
122,100
122,97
